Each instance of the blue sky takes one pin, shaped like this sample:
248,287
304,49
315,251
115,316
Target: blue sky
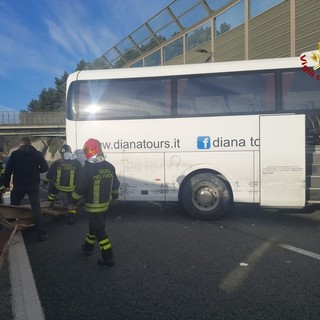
40,39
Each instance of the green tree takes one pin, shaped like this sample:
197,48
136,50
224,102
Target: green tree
61,91
53,99
82,65
48,101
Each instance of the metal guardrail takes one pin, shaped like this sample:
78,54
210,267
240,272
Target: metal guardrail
24,118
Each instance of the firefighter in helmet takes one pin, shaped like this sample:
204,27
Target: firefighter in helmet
97,184
62,175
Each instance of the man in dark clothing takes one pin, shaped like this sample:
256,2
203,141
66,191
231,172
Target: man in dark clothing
97,184
26,164
1,174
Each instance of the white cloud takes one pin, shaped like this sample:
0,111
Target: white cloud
77,32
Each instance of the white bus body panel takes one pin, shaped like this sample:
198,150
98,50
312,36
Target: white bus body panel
282,160
261,157
227,145
225,163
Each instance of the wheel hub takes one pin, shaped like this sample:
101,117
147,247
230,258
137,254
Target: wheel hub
206,197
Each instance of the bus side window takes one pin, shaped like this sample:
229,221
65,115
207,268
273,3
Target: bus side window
300,91
245,103
210,105
185,107
301,100
184,101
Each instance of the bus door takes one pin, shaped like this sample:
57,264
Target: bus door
282,160
143,176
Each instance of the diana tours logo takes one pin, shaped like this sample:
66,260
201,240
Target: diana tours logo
310,62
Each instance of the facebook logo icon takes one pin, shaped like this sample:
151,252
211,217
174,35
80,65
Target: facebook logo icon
203,142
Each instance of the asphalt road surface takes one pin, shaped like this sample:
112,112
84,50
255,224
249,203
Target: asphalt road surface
251,264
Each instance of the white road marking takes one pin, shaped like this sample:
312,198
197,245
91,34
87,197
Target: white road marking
301,251
25,299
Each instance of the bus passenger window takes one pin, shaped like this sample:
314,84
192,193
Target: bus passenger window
124,98
244,103
210,105
251,92
300,91
184,103
226,93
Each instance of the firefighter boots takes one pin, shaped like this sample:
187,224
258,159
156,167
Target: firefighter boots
107,256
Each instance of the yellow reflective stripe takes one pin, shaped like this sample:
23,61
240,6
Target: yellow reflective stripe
70,186
105,244
91,239
96,191
71,181
111,191
96,208
76,196
58,177
97,205
52,197
64,189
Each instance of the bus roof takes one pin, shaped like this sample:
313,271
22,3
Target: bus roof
187,69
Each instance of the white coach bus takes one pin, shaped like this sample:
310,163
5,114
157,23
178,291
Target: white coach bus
207,135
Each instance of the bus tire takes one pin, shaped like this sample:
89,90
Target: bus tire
206,196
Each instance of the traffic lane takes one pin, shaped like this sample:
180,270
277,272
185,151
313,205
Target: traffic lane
301,230
5,292
169,266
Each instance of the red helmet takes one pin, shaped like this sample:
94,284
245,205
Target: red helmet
91,148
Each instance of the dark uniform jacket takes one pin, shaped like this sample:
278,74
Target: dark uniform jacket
63,173
26,164
97,183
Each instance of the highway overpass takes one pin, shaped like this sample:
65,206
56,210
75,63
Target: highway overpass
44,124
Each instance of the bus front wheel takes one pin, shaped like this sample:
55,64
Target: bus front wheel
206,196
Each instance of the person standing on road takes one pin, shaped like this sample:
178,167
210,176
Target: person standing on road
97,184
62,174
1,174
25,165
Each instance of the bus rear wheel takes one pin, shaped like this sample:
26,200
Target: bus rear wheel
206,196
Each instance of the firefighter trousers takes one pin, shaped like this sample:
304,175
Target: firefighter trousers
97,232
